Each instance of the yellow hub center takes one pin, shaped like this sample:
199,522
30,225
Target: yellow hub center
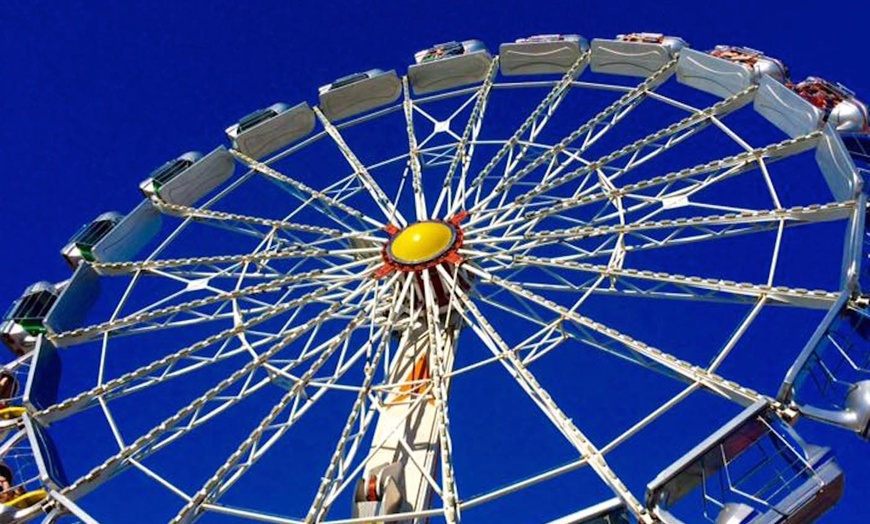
421,242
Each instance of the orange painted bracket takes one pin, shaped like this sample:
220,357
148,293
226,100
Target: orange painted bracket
458,218
383,271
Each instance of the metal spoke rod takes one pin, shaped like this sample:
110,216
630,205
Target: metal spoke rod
210,214
318,508
138,448
438,338
797,296
381,199
687,371
87,332
555,94
728,166
504,184
234,465
469,134
674,134
527,381
267,171
413,154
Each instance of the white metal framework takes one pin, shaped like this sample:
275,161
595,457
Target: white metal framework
628,249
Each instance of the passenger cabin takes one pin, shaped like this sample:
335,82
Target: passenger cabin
839,105
186,179
786,109
449,65
754,60
32,449
265,131
608,512
360,92
830,380
754,470
25,320
542,54
49,308
8,388
81,244
634,54
727,70
11,409
113,237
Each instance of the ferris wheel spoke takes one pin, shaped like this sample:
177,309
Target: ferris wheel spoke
637,153
410,397
535,122
172,365
170,429
465,146
441,340
714,171
602,336
643,236
302,189
391,213
413,155
553,165
254,446
646,148
545,339
206,215
667,283
113,326
279,371
349,440
314,249
229,311
639,92
539,395
701,224
668,195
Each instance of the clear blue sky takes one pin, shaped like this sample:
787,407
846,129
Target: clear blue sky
97,94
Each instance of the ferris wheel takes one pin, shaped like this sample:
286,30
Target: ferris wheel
574,282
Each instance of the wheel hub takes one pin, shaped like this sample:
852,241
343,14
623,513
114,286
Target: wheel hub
422,245
421,242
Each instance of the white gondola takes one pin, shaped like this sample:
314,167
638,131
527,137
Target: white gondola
50,308
11,399
113,237
31,449
188,178
49,465
830,380
358,93
448,65
838,104
267,130
635,54
786,109
25,320
80,246
727,70
542,54
836,165
754,470
608,512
